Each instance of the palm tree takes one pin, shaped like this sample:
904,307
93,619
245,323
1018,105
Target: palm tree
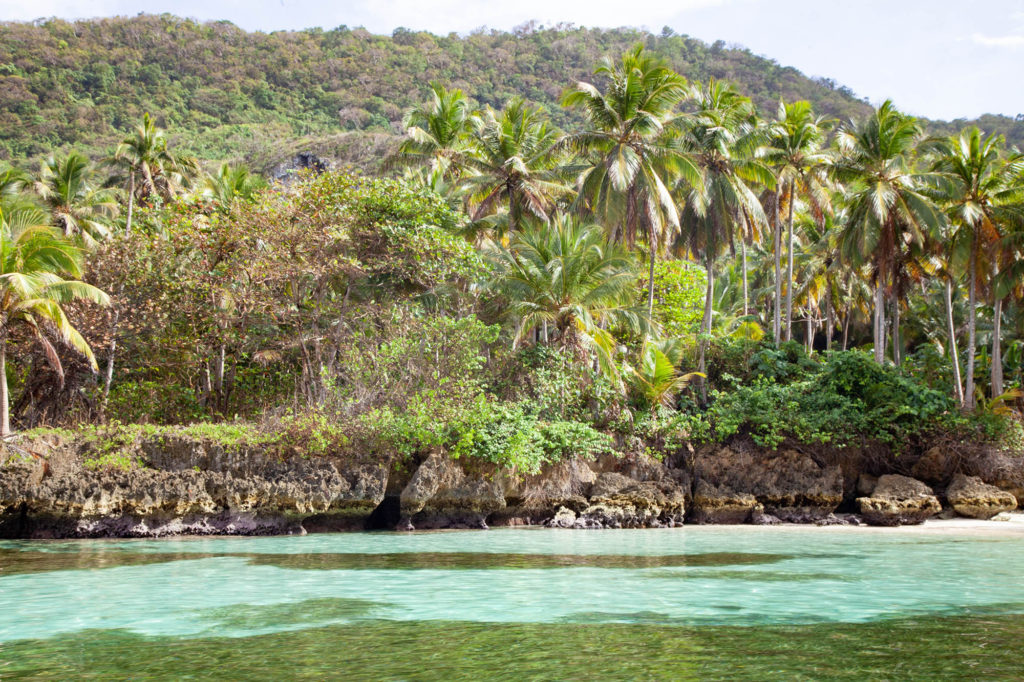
34,262
983,196
231,183
145,166
511,163
656,379
887,212
78,208
723,139
799,161
629,150
438,130
569,281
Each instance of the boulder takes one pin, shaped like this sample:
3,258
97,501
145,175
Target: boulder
789,485
933,467
441,494
618,501
898,500
972,497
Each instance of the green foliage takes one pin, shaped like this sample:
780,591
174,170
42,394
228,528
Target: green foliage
678,297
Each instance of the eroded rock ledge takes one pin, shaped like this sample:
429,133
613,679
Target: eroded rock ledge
192,486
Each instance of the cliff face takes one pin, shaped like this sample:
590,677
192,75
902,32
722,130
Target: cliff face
190,486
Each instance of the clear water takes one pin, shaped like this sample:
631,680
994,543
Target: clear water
768,602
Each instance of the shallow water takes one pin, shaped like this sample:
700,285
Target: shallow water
704,602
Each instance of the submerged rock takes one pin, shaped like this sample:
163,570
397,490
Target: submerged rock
898,500
972,497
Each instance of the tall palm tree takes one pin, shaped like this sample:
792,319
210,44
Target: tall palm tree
232,183
722,137
796,154
146,168
437,131
983,196
77,207
568,280
629,151
34,262
888,213
511,164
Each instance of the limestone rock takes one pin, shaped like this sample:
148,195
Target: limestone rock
618,501
933,467
973,498
441,495
713,504
898,500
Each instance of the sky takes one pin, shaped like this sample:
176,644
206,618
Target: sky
934,58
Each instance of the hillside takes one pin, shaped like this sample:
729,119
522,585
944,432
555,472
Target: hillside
230,93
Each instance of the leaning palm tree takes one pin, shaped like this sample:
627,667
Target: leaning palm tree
77,207
984,197
437,131
511,164
795,152
230,184
888,213
568,284
35,261
628,150
146,168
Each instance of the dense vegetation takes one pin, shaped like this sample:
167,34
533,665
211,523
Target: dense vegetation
229,94
676,266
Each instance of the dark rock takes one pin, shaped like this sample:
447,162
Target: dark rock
972,497
933,467
898,500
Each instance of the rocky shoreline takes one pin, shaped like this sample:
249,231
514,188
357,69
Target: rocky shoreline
189,486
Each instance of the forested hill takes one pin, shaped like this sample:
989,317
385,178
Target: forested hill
228,93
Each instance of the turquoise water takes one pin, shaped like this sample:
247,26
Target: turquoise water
287,595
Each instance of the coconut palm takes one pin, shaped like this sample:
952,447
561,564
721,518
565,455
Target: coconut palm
77,207
656,379
146,168
983,195
629,151
35,261
888,213
569,281
511,165
437,131
232,183
795,153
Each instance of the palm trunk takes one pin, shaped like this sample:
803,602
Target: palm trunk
777,321
879,324
897,347
5,409
706,324
111,354
810,332
972,326
997,350
789,268
953,353
746,306
131,203
650,280
829,320
846,328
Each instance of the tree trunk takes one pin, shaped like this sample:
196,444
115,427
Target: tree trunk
650,281
131,202
746,306
777,321
897,347
830,326
789,268
879,324
846,328
810,332
972,326
5,408
953,353
706,325
108,380
997,349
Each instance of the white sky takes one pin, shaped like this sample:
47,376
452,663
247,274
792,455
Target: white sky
937,58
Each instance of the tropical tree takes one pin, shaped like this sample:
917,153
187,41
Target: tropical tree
145,166
656,378
983,195
77,207
437,131
887,212
795,153
35,262
568,284
511,164
230,184
629,150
